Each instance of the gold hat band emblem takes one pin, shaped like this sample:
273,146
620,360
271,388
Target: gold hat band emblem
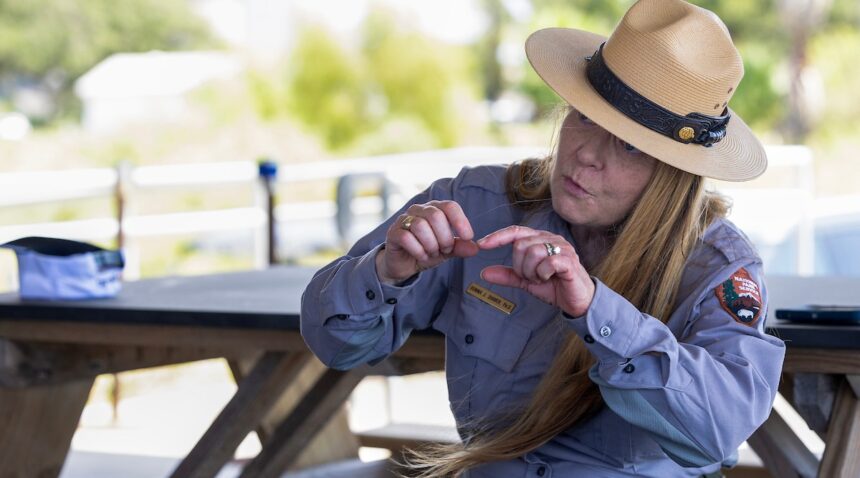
686,133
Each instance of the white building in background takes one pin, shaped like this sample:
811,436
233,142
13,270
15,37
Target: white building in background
128,88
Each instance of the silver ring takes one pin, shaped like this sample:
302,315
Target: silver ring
551,249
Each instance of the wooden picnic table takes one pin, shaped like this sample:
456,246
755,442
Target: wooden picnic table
51,352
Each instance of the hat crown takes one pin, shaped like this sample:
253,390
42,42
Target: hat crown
677,55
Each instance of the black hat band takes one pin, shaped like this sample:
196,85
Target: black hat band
694,128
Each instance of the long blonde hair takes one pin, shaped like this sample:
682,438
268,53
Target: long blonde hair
662,229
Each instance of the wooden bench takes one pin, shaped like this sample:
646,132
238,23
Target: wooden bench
399,436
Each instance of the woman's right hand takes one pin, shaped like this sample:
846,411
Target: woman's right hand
438,230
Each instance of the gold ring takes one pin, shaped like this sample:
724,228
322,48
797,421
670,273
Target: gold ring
551,249
407,222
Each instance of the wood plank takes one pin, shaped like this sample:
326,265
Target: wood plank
781,451
814,394
175,336
854,381
397,436
257,392
395,366
38,425
418,346
310,414
334,442
422,346
841,361
841,459
40,363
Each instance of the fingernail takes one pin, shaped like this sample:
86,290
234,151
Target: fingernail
447,250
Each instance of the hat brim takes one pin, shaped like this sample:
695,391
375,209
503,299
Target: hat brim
558,55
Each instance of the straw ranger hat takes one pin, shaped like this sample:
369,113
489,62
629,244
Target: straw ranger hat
661,82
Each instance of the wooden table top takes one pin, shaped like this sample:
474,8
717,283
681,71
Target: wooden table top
260,299
271,299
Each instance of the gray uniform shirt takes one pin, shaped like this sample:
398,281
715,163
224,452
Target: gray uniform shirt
680,396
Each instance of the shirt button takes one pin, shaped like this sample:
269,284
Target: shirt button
541,470
588,339
605,331
629,368
391,301
470,338
370,295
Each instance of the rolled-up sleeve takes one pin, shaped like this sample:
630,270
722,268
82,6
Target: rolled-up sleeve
348,317
699,395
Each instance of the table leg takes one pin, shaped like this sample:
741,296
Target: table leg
38,424
334,442
256,394
301,425
840,454
782,452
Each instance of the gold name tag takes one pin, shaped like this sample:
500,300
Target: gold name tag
491,298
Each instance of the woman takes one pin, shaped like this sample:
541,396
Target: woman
602,316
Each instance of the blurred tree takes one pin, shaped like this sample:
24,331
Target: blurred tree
488,47
598,16
327,89
47,44
801,18
414,74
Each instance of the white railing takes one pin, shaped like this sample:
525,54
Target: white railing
771,211
410,171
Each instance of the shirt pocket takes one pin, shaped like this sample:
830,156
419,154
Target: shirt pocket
488,334
482,349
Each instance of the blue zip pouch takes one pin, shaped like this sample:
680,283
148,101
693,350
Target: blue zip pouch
61,269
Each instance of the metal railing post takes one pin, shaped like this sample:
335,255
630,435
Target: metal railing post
268,172
347,188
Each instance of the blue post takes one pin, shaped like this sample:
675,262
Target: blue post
268,171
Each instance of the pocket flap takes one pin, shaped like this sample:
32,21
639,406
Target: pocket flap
483,332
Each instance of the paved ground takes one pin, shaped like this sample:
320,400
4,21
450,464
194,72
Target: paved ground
108,465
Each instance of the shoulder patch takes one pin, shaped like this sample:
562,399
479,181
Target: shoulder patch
740,296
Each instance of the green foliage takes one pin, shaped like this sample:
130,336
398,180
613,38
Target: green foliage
845,13
414,74
757,100
398,80
73,35
265,95
327,91
544,98
834,54
60,40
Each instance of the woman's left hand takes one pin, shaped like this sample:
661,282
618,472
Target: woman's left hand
558,279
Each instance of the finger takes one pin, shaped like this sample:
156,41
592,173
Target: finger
457,218
502,275
408,242
534,254
438,221
424,233
526,255
518,252
464,248
558,266
505,236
